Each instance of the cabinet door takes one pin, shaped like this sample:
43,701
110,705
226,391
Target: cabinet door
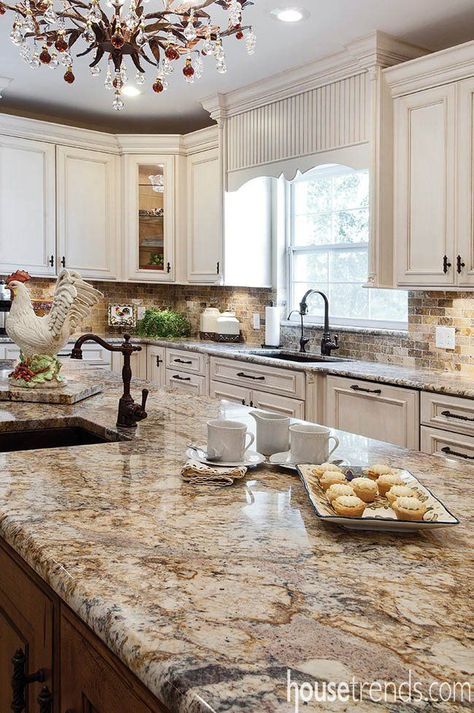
465,163
155,366
229,392
279,404
27,205
149,204
87,187
447,444
384,413
137,362
94,681
204,218
425,185
26,625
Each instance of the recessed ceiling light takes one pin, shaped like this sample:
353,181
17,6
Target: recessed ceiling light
130,91
290,14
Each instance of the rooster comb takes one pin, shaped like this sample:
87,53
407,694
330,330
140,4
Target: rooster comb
18,276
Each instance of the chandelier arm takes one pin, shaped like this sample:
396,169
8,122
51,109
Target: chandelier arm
98,57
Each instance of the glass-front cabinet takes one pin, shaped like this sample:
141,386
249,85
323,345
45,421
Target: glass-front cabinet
149,217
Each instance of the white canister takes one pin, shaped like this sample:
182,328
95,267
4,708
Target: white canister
208,320
228,324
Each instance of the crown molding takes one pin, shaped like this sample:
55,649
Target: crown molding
201,140
375,49
57,133
150,143
449,65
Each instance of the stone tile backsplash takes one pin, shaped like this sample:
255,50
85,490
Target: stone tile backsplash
426,310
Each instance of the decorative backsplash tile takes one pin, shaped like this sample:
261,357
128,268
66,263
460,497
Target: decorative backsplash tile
426,310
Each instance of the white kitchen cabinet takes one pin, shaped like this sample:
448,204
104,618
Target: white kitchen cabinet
465,216
229,392
138,363
278,404
184,381
204,233
285,382
87,203
27,206
149,218
384,413
92,354
155,364
450,413
425,187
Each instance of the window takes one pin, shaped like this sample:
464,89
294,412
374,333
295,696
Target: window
328,250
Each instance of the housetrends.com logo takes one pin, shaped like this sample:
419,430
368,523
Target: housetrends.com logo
409,691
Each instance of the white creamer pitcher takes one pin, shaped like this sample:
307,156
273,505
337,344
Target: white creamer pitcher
273,434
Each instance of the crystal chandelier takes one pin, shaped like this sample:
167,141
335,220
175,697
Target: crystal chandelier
178,33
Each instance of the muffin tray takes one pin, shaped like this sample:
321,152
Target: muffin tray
379,514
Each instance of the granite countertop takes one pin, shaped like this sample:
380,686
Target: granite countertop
210,595
444,382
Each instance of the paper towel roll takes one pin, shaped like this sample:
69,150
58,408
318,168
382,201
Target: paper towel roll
272,326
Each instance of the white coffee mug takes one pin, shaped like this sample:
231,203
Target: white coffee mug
226,440
310,443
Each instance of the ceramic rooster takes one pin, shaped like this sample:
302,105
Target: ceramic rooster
41,338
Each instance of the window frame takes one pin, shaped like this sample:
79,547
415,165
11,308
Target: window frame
291,251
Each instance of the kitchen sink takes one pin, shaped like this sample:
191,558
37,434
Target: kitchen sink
51,434
297,357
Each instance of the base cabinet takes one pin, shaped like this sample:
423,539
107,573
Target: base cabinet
384,413
452,445
155,365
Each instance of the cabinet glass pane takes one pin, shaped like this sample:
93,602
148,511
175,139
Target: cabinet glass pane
151,191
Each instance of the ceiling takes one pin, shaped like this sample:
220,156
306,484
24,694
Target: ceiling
42,93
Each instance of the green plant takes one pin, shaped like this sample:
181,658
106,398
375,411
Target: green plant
164,324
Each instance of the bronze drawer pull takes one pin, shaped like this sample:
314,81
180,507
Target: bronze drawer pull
182,361
448,414
446,264
20,680
249,376
181,378
158,361
356,387
449,452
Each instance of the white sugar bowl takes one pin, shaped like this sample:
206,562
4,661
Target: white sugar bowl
228,324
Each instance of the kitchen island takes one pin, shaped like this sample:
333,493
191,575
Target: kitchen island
210,596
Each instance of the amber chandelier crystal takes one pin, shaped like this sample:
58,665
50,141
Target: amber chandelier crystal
174,33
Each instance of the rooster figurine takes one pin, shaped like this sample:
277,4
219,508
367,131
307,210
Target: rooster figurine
41,338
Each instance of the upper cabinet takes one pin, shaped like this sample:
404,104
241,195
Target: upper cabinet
149,218
27,206
204,229
87,221
434,169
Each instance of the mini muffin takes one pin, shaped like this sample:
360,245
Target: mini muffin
331,477
375,471
387,481
349,506
399,491
410,508
339,489
324,467
365,489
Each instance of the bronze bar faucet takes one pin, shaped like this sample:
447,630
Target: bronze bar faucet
129,412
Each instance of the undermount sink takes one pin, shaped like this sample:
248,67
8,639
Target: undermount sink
297,357
54,434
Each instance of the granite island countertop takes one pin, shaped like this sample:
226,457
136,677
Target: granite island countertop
210,595
443,382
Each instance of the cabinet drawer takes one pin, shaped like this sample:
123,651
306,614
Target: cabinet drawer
93,354
384,413
229,392
183,360
265,378
447,412
450,445
184,381
278,404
